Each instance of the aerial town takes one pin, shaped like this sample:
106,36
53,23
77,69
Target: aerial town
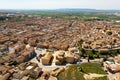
46,48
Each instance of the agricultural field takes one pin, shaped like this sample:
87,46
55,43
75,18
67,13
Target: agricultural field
73,73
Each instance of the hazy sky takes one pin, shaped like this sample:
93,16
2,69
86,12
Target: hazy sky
55,4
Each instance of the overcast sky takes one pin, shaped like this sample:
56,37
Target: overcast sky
57,4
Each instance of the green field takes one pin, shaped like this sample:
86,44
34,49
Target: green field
75,15
74,74
67,14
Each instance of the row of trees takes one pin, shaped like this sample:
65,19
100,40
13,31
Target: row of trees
91,54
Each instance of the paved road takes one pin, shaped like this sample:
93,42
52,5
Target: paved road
46,67
53,66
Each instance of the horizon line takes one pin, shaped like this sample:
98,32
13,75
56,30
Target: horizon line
60,9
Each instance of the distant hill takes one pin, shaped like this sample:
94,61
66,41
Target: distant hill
62,10
78,10
85,10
